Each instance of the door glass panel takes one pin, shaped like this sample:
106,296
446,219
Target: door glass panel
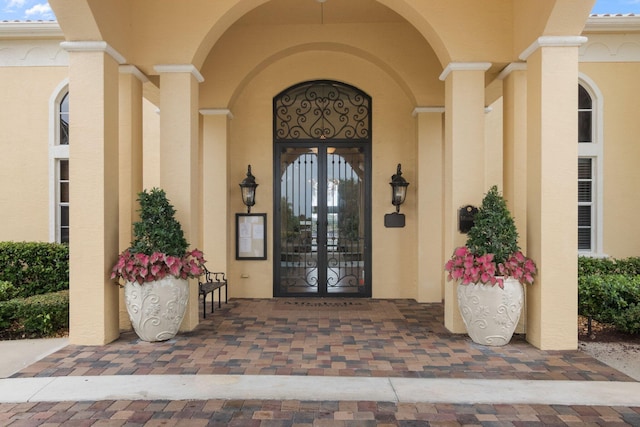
298,221
345,220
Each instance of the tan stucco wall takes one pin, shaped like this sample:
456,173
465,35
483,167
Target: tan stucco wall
24,195
399,70
394,273
620,88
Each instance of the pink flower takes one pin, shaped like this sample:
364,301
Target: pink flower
468,268
143,268
460,251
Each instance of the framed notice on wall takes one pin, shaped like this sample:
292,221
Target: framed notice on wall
251,236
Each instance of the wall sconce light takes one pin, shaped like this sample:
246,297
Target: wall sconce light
398,194
398,189
248,188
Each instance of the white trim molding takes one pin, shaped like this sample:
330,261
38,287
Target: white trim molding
421,110
611,48
93,46
30,30
514,66
216,112
552,41
132,69
464,66
32,53
179,68
612,23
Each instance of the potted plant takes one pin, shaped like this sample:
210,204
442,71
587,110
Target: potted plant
155,269
491,257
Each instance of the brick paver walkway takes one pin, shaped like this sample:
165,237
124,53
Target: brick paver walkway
372,338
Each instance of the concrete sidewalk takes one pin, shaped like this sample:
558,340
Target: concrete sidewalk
18,354
282,387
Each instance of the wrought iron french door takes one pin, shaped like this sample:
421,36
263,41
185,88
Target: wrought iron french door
322,190
322,219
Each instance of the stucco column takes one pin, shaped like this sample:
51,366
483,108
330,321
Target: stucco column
130,160
215,190
514,126
463,171
430,122
552,78
93,89
179,158
514,81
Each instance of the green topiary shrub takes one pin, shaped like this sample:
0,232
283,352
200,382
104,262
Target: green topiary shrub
157,230
494,231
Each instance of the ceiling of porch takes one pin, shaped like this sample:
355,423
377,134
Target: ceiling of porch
279,12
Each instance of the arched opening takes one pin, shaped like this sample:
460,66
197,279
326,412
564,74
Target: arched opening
322,201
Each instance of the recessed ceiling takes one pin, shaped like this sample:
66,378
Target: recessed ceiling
281,12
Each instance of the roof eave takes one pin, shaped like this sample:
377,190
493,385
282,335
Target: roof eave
30,30
612,23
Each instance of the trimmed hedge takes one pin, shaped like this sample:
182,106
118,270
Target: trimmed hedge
609,292
36,316
34,268
600,266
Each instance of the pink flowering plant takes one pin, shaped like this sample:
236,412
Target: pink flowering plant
143,268
469,268
159,248
491,252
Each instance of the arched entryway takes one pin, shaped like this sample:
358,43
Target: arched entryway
322,201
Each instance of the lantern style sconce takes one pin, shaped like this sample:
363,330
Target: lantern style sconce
248,188
398,194
398,189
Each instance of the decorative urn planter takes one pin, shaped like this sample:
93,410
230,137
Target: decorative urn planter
156,309
490,313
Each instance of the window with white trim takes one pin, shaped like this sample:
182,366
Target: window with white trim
59,165
589,169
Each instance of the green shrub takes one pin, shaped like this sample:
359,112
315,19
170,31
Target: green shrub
35,268
494,231
45,314
628,321
611,298
35,317
587,266
158,230
7,291
8,314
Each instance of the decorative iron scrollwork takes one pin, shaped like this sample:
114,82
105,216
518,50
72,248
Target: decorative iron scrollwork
322,110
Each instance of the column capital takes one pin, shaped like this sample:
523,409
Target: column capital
132,69
514,66
464,66
421,110
179,68
216,112
93,46
552,41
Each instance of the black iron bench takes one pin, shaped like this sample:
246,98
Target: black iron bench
212,280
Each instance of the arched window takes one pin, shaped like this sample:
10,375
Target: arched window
59,165
589,168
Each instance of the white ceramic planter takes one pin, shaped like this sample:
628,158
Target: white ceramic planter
156,309
490,313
